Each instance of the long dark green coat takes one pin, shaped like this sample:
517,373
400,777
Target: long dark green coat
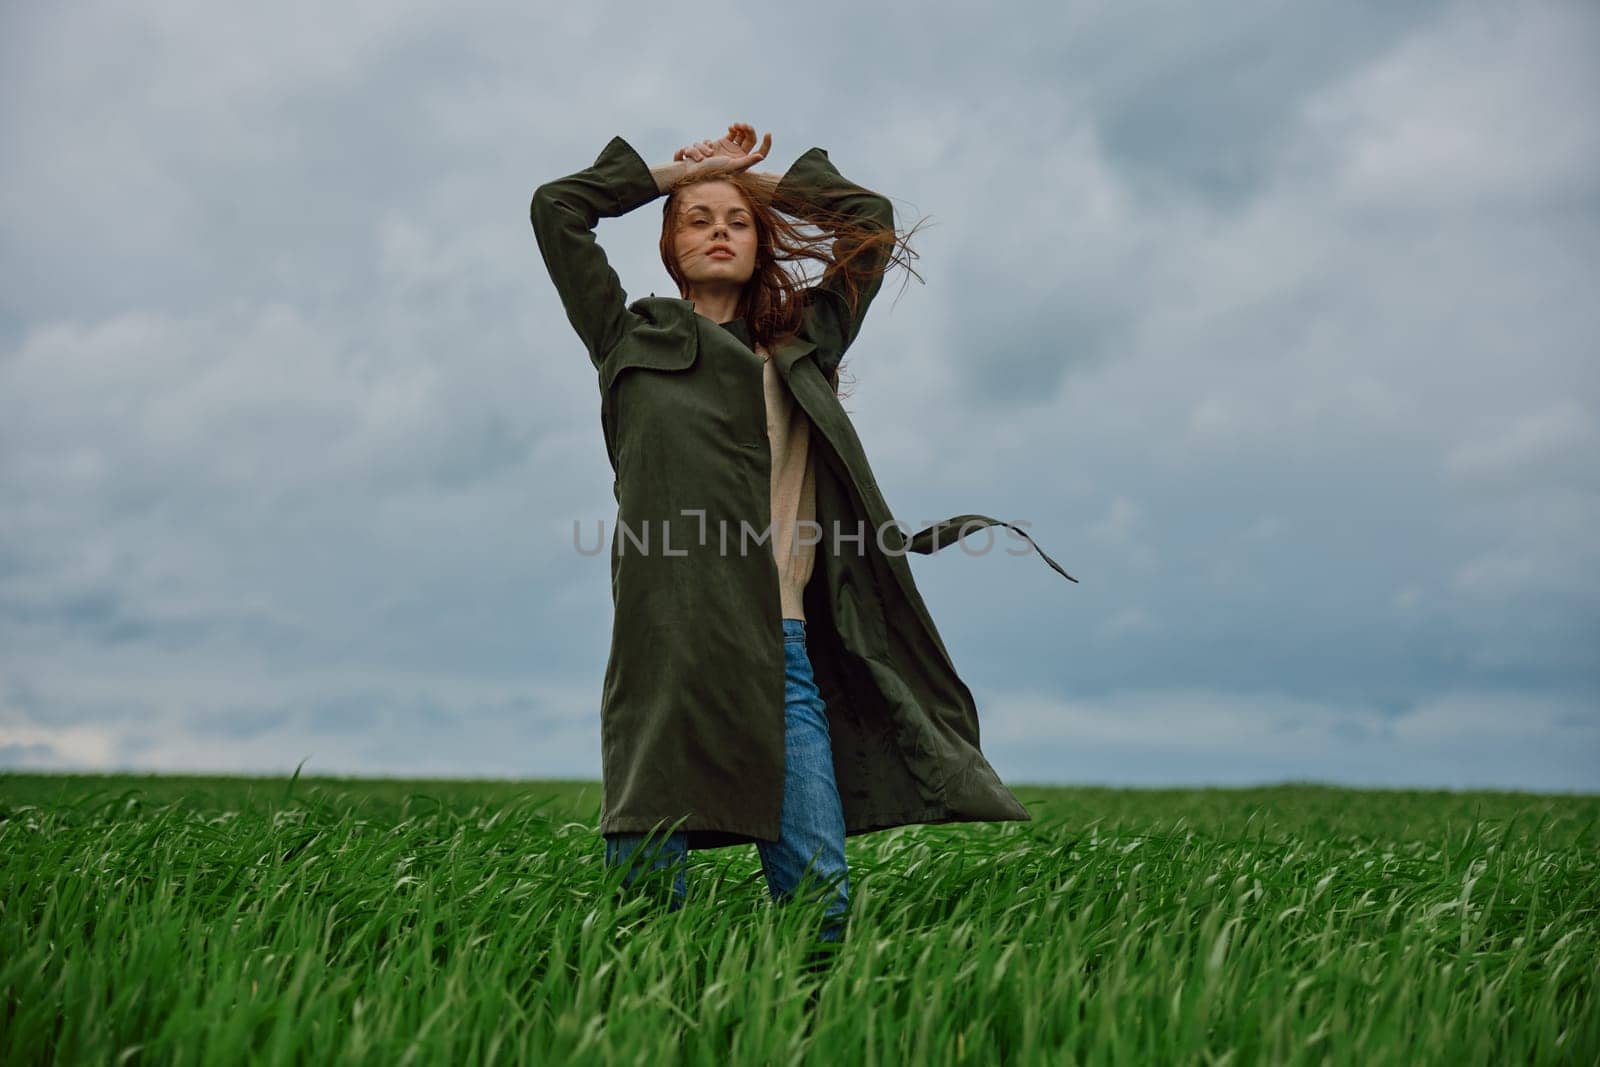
692,711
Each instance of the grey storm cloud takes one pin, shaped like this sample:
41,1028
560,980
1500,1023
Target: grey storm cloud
1272,323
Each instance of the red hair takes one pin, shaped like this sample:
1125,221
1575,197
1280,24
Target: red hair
773,300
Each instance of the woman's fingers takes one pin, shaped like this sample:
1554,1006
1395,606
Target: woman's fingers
750,159
737,151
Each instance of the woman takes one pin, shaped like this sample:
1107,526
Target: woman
794,694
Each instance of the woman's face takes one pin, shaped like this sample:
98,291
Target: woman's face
716,239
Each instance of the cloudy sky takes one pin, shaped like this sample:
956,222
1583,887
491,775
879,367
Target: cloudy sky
1275,322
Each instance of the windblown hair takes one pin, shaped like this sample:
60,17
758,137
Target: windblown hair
773,300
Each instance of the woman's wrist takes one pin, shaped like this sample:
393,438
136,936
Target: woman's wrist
668,174
766,182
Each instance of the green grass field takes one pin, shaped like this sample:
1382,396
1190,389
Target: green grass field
226,920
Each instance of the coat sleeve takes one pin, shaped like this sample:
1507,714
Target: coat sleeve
564,214
829,319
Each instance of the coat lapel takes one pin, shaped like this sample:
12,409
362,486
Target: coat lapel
789,352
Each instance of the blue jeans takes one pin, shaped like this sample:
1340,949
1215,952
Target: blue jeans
810,844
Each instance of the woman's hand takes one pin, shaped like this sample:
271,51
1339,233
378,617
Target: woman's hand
737,151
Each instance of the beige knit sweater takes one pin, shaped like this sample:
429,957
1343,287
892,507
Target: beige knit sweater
794,489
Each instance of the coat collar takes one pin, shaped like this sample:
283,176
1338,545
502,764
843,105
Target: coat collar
790,352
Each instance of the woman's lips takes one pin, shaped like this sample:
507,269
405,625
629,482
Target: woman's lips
722,255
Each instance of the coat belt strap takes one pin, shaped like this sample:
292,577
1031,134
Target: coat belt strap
951,530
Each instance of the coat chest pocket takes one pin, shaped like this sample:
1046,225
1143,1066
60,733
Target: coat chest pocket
659,357
647,393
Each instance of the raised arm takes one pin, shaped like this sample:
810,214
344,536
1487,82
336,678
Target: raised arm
824,196
564,214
